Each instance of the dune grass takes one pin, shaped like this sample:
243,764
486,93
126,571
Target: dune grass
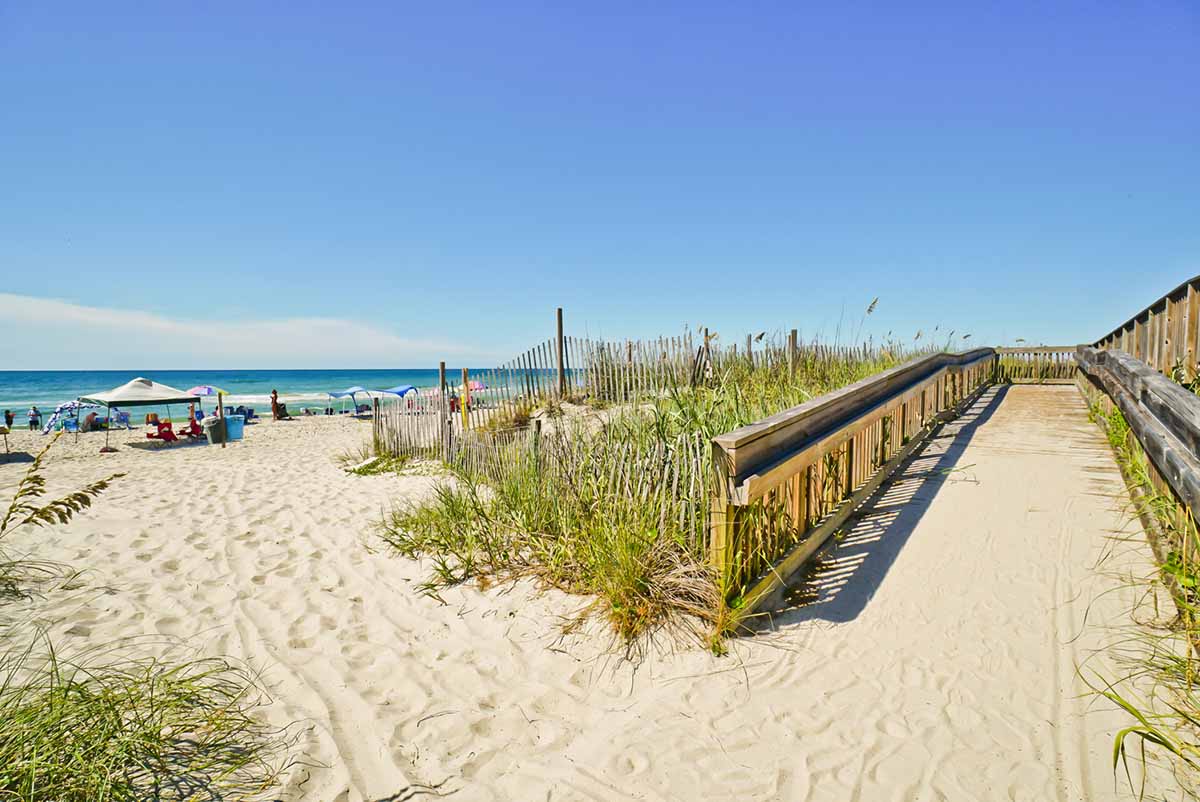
20,572
106,724
614,504
1158,686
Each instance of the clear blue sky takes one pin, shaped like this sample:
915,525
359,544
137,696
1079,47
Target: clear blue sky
438,177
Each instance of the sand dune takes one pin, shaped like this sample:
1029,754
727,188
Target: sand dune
937,661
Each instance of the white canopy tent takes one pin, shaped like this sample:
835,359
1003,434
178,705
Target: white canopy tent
140,392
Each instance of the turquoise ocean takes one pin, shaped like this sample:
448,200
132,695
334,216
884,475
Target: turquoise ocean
19,390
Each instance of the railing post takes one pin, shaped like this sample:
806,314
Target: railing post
721,521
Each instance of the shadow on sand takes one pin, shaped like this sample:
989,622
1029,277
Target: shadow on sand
847,573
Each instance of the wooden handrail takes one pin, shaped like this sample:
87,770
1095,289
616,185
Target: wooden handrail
752,448
1164,416
1039,349
783,485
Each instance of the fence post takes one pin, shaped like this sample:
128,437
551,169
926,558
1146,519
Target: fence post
375,424
465,401
749,351
443,413
793,347
562,372
221,415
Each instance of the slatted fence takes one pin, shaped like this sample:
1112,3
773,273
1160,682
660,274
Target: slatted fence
1044,364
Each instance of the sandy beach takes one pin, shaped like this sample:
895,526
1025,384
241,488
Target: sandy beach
937,662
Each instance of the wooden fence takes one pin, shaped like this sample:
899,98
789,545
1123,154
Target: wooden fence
1165,334
1044,364
783,485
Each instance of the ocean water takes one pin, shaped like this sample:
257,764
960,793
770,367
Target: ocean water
19,390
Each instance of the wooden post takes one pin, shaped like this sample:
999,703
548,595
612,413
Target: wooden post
465,401
793,348
221,416
722,519
562,372
749,352
444,410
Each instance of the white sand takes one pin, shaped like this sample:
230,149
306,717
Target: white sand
939,663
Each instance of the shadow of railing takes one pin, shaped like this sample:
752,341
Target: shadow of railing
844,579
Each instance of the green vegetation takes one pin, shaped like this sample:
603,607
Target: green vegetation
1158,686
17,573
107,725
614,504
381,465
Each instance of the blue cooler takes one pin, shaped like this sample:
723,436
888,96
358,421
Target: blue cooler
234,424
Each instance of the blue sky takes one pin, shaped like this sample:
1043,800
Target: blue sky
390,183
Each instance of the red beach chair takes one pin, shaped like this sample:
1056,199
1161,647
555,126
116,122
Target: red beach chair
193,431
165,433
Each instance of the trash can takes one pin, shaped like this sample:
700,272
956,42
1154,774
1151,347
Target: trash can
214,429
233,427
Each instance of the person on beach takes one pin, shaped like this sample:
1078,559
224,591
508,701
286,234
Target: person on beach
35,418
278,410
8,419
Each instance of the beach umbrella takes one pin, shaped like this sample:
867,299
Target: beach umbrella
207,389
476,385
400,390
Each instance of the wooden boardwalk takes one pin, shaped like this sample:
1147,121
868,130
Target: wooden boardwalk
955,608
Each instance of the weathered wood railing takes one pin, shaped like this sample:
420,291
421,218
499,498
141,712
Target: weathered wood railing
783,485
1165,334
1043,364
1163,420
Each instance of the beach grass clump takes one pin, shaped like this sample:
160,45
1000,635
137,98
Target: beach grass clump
26,508
381,465
1159,686
583,511
615,505
108,726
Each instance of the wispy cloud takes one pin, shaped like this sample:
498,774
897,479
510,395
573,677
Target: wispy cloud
44,333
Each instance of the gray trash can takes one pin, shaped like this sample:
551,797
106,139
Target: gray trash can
214,429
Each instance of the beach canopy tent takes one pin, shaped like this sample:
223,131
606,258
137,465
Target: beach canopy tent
140,392
400,390
66,409
352,393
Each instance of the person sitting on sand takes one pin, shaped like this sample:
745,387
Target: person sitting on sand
89,423
35,418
